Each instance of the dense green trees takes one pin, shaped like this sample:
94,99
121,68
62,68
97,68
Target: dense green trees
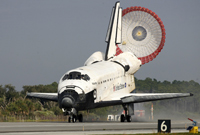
15,103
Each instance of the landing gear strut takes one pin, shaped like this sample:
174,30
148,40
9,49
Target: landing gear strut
129,110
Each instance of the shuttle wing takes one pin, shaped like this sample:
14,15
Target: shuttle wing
45,96
141,97
136,97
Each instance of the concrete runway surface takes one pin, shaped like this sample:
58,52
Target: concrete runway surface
86,128
123,132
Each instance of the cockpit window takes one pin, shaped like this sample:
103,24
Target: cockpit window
77,76
85,77
65,77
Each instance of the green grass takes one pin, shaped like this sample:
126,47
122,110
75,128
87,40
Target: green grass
159,134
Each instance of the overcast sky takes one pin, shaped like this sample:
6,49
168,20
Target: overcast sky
41,40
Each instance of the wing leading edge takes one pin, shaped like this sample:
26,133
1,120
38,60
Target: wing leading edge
45,96
136,97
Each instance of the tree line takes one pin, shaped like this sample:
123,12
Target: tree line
15,103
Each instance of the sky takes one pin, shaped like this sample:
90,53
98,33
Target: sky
41,40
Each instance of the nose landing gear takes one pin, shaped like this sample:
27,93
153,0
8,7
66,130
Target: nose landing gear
73,115
74,118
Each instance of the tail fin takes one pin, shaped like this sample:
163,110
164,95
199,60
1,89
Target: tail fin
114,32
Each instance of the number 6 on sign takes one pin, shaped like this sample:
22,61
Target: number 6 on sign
164,126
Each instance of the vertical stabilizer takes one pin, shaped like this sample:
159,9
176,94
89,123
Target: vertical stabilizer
113,36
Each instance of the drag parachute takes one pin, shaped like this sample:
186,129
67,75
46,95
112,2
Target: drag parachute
143,33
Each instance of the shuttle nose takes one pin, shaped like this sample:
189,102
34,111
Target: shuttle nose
67,102
68,99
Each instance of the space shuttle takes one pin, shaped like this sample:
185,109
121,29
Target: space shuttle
135,36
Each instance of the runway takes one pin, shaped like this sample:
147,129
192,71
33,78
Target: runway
123,132
50,128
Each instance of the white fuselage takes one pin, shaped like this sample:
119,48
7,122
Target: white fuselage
108,79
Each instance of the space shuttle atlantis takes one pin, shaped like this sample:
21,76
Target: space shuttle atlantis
135,36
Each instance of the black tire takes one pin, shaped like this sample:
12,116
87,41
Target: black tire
80,118
74,118
122,118
69,119
128,118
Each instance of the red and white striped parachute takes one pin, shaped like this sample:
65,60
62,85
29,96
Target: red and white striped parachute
143,33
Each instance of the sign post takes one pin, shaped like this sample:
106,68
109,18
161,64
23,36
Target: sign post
164,126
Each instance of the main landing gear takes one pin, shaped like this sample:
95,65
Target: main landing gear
129,110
